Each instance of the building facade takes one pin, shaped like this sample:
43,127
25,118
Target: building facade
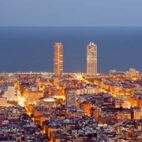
70,99
58,58
91,59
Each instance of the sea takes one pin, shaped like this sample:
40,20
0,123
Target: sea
31,48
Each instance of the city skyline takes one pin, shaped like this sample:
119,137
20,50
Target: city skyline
36,45
70,71
91,59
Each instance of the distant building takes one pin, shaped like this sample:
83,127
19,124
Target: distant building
132,73
91,59
137,113
70,99
10,94
58,59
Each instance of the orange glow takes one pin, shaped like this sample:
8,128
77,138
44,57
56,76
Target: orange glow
21,101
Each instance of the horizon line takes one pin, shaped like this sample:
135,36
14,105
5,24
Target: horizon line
109,26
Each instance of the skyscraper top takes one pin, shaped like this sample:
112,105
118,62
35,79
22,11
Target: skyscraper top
58,43
92,44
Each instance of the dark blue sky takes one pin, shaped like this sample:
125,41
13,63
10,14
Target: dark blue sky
70,12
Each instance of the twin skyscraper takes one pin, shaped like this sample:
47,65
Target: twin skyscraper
91,59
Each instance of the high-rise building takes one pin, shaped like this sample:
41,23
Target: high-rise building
91,59
58,59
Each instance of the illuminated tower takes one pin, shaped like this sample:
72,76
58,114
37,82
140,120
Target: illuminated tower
58,59
91,59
